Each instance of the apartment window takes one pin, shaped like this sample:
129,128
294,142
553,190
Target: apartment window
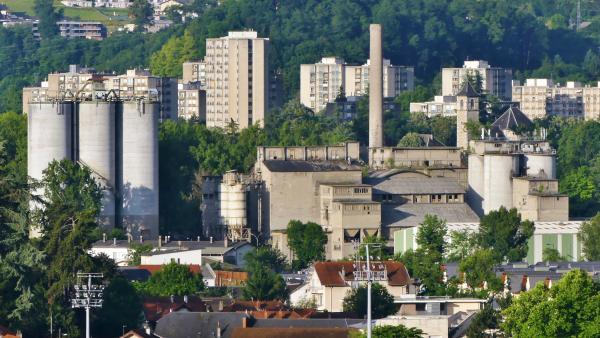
361,190
436,198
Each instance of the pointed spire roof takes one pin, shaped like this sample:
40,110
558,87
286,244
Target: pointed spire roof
512,118
467,90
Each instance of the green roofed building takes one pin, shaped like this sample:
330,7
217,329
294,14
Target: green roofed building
561,236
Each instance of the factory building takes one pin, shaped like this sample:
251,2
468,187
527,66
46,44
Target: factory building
116,139
508,170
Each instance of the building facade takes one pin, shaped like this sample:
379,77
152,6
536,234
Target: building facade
191,102
321,83
194,71
497,81
77,29
542,97
237,80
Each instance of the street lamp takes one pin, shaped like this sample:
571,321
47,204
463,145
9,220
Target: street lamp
358,275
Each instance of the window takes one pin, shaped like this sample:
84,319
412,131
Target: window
421,306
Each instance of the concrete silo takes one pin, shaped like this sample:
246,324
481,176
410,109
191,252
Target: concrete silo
475,191
232,205
138,166
97,151
50,135
541,165
497,180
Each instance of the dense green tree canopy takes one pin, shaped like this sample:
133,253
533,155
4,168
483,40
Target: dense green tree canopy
307,242
589,235
264,284
172,280
265,256
505,234
382,302
570,308
48,17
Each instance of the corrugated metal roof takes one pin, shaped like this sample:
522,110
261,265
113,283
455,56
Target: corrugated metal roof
402,185
413,214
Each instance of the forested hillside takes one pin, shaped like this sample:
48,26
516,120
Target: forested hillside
530,36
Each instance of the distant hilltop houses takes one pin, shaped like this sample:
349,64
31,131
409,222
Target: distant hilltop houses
108,3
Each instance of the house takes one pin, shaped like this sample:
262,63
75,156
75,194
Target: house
290,332
156,307
7,333
330,281
199,324
164,251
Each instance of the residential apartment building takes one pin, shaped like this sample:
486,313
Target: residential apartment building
98,3
194,71
237,79
79,81
396,79
440,106
542,97
191,103
77,29
496,80
321,83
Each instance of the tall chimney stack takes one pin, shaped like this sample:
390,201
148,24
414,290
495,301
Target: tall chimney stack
375,88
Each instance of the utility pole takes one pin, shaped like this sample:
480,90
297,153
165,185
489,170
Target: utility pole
368,276
578,23
87,295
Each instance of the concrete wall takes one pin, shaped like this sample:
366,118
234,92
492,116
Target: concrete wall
180,257
392,157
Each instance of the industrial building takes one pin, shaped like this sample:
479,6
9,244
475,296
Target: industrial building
542,97
496,81
116,138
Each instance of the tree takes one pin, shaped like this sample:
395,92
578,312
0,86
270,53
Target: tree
307,241
266,256
589,235
394,331
48,17
486,319
479,271
412,140
570,308
173,280
264,284
141,12
580,186
462,244
552,255
382,302
505,234
121,306
136,251
376,252
168,61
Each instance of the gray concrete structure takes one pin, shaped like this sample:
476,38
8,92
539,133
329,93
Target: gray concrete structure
139,167
97,149
375,88
49,133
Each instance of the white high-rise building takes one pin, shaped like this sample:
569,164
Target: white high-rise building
237,79
496,81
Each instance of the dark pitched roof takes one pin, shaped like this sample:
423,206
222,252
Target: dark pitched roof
156,307
273,305
137,333
467,90
330,273
290,332
305,323
199,324
513,117
134,273
306,166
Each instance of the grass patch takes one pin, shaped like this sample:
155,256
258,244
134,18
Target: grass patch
108,16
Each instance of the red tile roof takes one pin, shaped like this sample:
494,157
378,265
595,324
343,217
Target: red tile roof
330,273
157,307
290,332
6,332
195,268
272,305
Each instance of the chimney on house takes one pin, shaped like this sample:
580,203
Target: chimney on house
244,322
141,239
185,299
375,87
218,329
159,242
211,239
114,241
104,237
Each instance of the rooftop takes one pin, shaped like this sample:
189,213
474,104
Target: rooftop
512,118
403,185
338,273
306,166
290,332
207,246
413,214
199,324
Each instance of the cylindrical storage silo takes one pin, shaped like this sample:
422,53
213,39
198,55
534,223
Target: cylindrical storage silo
139,167
223,203
541,165
97,151
237,205
475,177
49,135
497,181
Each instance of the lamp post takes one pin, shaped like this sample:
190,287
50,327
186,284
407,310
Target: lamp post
87,295
369,279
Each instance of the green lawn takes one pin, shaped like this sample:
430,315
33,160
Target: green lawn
118,16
